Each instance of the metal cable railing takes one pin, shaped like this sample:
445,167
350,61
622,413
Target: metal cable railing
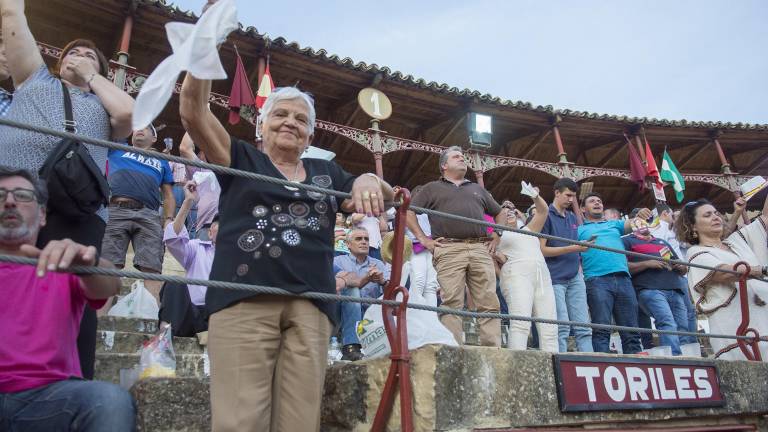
335,297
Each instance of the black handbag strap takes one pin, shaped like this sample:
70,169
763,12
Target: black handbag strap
69,122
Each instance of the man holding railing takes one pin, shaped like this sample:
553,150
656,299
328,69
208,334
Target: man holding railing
461,249
609,288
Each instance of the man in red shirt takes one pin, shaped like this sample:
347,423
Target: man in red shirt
41,385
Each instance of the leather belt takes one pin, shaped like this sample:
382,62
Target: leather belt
126,203
467,240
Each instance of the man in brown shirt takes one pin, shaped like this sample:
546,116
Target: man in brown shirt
461,250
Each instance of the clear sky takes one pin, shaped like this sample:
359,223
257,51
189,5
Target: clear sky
674,59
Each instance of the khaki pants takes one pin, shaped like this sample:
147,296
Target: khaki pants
462,265
268,360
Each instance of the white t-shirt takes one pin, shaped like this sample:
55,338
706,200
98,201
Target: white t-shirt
664,231
371,224
520,247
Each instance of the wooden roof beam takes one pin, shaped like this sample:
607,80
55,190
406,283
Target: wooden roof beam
611,154
535,143
448,131
691,156
416,172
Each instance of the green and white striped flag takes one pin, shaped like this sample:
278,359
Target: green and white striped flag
670,174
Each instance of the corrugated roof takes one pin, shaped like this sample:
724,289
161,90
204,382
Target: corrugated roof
407,79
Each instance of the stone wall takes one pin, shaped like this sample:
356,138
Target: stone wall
462,389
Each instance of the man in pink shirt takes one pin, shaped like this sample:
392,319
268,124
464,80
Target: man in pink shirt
41,385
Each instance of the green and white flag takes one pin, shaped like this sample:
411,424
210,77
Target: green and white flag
670,174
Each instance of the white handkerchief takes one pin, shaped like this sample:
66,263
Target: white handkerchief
195,49
528,190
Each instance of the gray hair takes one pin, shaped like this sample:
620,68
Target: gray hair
41,191
288,93
356,229
444,155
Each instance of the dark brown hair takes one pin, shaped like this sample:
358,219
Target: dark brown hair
85,43
687,219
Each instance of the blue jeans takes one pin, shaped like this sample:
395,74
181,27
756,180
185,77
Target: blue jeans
190,223
72,404
692,320
667,307
351,313
571,304
613,295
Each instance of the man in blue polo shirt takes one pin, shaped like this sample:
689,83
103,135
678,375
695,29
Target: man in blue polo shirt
563,264
136,182
606,274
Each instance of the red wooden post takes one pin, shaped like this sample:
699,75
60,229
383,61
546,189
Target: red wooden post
397,333
377,157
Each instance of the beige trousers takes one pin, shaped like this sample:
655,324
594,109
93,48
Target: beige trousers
268,360
460,265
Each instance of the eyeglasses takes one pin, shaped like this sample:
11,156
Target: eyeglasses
360,238
20,195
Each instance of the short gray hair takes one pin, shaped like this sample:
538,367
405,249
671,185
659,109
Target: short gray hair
356,229
288,93
444,155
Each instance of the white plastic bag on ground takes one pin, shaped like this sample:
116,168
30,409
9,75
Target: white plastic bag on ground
157,356
139,303
424,328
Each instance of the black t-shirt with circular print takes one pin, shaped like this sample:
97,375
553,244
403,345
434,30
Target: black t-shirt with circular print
274,235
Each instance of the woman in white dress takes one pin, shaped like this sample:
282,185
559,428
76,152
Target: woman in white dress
715,294
525,281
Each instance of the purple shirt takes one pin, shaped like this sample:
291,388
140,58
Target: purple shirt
196,256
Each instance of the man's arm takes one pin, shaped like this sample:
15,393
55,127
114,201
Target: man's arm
202,126
169,203
553,251
20,47
641,266
413,224
61,254
644,214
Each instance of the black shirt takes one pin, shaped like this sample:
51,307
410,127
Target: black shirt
270,235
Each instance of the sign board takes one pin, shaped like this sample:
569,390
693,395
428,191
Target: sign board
604,383
374,103
658,192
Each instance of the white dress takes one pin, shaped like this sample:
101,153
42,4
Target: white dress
527,287
720,301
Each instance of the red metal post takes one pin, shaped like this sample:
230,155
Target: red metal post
724,165
377,156
397,333
125,40
750,348
561,155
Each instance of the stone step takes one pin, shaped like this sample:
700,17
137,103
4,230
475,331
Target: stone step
108,365
128,325
130,343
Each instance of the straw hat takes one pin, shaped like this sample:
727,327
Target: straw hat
388,246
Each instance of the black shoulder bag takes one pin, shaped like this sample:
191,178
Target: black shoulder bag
76,186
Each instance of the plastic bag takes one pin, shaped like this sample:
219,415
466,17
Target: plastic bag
139,303
424,328
157,356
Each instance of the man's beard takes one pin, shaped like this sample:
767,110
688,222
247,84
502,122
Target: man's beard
15,235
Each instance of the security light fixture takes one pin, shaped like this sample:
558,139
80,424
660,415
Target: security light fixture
480,130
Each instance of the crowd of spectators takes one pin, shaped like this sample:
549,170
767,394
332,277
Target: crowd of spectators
272,350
